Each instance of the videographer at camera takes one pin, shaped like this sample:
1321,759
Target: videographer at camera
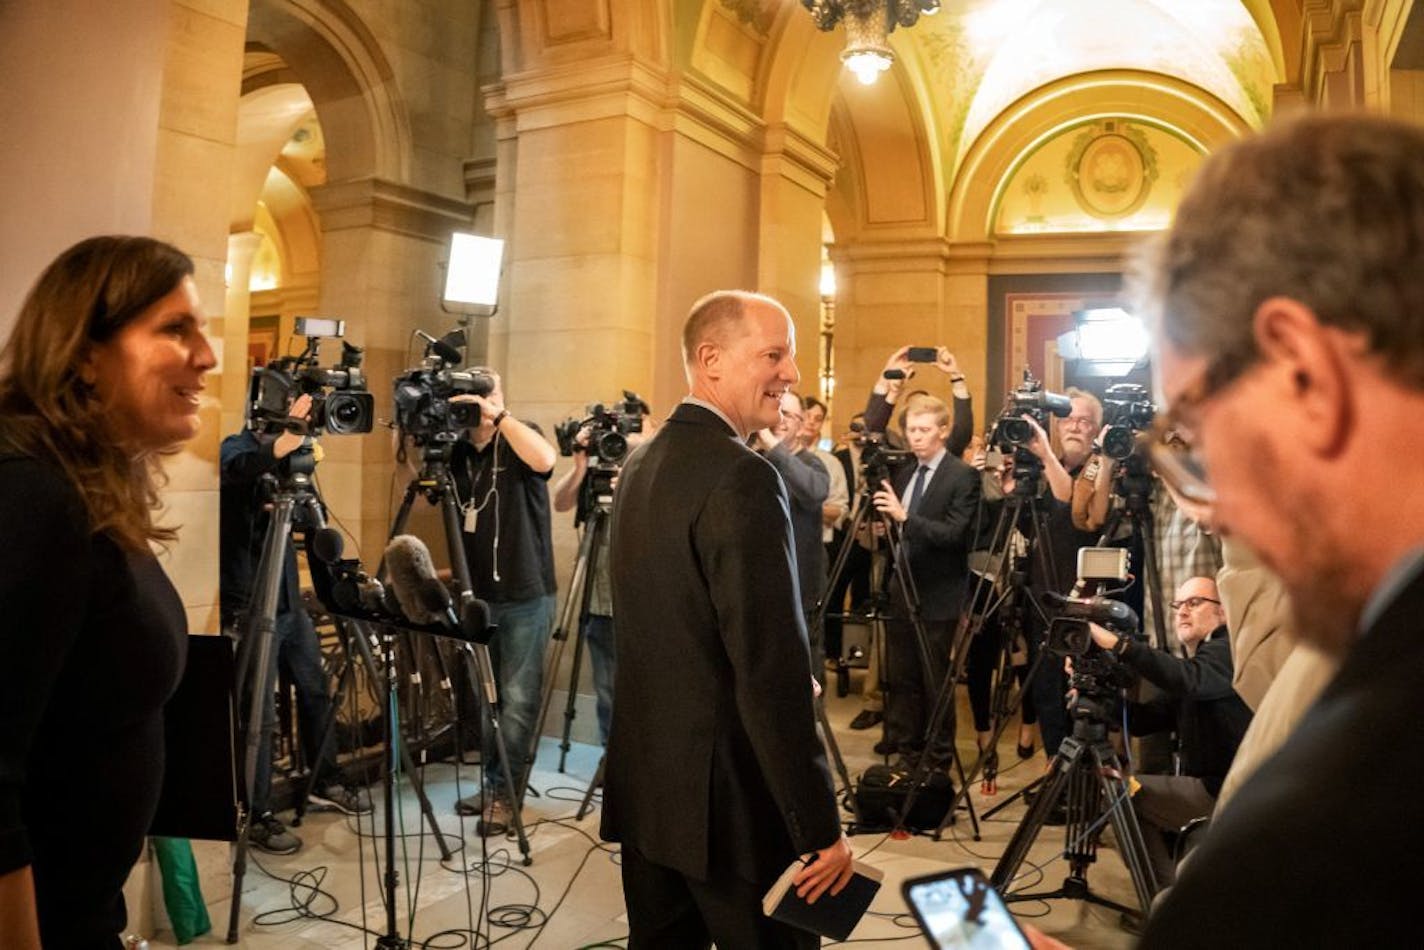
1183,544
246,456
887,391
1075,433
597,630
933,498
501,475
1198,702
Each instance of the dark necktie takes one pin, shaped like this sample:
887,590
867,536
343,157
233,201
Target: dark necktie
918,489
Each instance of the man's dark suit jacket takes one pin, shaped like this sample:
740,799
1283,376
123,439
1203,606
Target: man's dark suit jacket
713,758
937,534
1321,847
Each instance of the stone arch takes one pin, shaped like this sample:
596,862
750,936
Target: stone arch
1188,111
332,52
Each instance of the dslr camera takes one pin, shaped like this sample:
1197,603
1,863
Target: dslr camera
1128,411
422,394
341,405
609,427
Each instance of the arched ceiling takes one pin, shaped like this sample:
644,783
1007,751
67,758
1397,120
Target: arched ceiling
1207,65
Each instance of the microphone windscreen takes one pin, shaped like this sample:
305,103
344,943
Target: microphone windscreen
408,560
434,596
327,545
475,621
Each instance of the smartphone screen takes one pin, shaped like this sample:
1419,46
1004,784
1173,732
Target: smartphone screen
922,354
958,909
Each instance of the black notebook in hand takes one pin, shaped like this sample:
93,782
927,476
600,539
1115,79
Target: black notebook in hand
833,915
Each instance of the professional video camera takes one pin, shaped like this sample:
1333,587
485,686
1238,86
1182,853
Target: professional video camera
422,394
877,459
1012,430
1097,675
340,403
1128,411
609,427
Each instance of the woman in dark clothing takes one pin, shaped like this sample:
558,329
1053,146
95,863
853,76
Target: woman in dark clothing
102,374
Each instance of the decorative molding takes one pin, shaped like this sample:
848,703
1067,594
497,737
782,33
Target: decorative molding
564,22
759,15
387,206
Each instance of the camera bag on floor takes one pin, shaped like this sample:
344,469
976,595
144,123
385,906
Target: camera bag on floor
880,796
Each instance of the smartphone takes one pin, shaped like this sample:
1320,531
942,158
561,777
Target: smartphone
959,909
922,354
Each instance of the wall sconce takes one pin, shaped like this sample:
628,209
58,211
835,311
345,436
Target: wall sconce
868,25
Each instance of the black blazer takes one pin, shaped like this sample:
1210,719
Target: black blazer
1315,847
937,535
713,758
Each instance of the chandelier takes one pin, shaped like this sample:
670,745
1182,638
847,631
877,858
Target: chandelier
868,24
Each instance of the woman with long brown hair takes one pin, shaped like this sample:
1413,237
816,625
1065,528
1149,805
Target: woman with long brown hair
102,374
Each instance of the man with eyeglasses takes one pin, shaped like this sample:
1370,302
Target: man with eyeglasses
807,486
1062,540
1288,303
1198,702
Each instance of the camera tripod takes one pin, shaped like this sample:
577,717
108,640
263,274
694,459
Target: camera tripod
435,482
295,503
1088,777
1132,503
1009,583
941,718
573,617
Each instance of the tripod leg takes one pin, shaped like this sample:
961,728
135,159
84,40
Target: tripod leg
363,639
1028,830
586,805
1126,827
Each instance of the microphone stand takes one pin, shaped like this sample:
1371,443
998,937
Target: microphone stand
435,483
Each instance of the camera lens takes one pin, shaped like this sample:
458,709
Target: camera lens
1118,443
612,446
350,413
1016,431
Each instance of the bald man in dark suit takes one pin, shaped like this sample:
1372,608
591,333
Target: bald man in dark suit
715,778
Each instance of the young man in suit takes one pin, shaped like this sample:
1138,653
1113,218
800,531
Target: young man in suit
715,779
931,500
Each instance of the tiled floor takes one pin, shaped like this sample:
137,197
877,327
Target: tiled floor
574,883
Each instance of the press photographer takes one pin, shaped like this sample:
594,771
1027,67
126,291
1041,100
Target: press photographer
598,445
268,449
1198,702
1034,472
291,400
931,497
501,470
1117,491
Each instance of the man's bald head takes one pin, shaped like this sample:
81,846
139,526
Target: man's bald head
714,319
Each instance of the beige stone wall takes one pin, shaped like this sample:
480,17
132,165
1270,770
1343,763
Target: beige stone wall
197,127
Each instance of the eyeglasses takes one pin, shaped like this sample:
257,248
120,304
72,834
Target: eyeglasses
1078,422
1169,441
1192,603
